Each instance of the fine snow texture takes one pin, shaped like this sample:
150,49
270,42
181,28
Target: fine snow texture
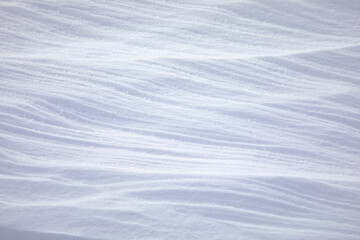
157,119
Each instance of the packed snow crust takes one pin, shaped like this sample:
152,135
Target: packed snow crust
174,120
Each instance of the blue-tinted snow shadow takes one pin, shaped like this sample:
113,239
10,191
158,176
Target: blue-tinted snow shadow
12,234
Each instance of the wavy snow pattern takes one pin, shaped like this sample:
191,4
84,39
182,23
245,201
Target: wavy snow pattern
180,119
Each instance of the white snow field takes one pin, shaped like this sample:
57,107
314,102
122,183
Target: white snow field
180,120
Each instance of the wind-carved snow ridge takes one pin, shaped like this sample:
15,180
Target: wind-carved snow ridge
179,120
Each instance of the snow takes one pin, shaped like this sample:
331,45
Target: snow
165,119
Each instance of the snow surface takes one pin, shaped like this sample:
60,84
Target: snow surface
158,119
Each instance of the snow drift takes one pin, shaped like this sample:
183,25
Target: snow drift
179,120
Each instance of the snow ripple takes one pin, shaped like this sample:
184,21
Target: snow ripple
180,120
